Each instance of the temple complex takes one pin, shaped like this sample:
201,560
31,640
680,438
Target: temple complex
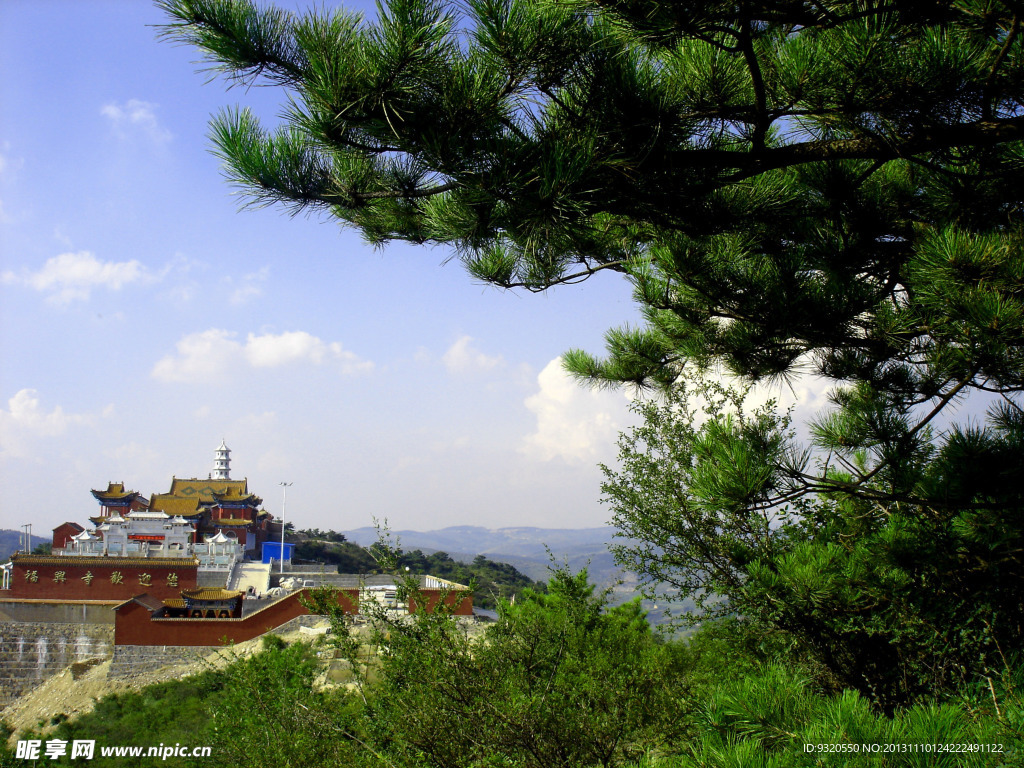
213,505
192,537
157,576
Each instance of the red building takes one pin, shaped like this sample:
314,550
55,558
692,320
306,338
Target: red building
64,532
48,577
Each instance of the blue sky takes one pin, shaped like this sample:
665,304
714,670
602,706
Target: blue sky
143,318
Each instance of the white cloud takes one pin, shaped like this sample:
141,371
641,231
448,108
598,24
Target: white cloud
574,423
463,357
805,394
206,355
72,276
271,351
25,419
136,115
213,354
251,287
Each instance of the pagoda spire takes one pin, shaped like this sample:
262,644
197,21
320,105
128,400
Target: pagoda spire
221,463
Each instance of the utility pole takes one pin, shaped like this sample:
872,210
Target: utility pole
284,506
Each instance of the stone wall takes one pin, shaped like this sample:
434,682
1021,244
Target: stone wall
213,578
83,612
131,660
32,652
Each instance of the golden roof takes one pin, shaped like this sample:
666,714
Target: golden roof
89,561
230,521
175,602
196,488
236,494
210,593
174,505
115,491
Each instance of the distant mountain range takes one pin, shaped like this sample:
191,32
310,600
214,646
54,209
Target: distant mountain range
531,550
9,542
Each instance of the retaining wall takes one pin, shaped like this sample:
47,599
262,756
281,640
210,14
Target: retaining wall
32,652
130,660
82,612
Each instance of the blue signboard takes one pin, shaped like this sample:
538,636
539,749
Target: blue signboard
272,551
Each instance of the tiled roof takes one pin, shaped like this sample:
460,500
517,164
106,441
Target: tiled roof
196,488
88,561
175,505
234,521
210,593
114,491
148,601
59,601
236,494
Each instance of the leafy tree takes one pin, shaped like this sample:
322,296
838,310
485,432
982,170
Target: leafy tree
348,557
317,534
895,604
764,720
270,712
791,187
828,187
494,581
558,680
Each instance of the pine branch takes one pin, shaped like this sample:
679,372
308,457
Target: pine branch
924,139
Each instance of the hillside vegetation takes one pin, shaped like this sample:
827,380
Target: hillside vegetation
9,541
560,679
491,580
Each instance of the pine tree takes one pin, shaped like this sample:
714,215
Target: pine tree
792,187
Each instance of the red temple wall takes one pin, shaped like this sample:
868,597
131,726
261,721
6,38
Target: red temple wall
460,602
134,624
64,578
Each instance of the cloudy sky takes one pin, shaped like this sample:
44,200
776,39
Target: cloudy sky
143,318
